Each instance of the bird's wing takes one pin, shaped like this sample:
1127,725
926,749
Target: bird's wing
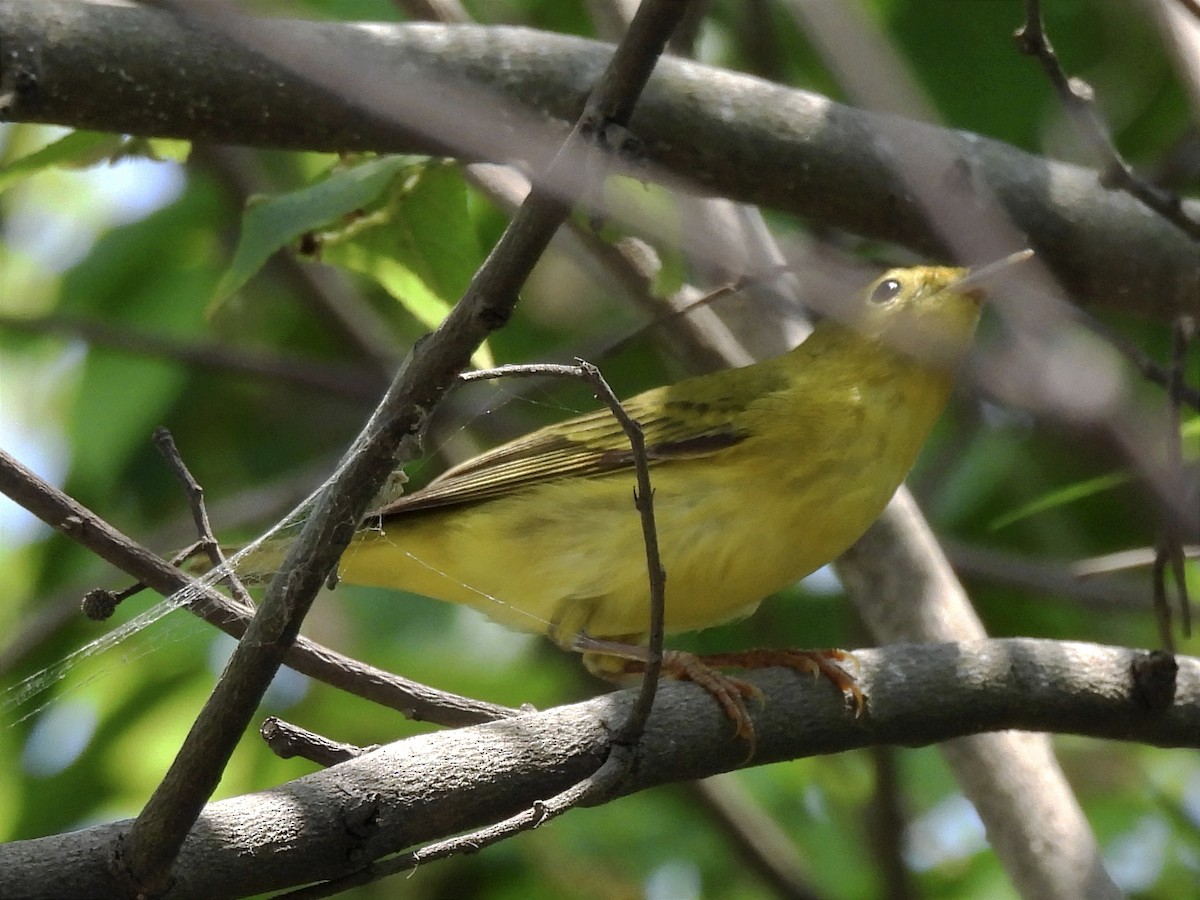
676,424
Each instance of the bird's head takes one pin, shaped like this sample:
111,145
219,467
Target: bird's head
927,312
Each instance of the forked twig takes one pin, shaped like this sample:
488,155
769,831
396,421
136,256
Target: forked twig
1079,101
208,540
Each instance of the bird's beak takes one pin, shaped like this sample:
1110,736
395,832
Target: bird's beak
972,284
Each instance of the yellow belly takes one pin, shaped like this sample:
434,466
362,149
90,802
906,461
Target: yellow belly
565,559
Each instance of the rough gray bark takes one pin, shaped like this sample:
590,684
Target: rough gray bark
497,93
431,786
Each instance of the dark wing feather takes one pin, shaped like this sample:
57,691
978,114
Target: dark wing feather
676,424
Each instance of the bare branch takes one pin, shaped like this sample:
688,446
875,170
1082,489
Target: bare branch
118,69
337,821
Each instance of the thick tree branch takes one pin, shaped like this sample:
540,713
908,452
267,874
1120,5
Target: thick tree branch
905,590
141,71
424,788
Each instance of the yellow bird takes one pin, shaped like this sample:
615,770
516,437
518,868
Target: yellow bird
760,474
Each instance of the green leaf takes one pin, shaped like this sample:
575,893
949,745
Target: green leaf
1189,434
273,223
419,245
83,149
78,149
1061,497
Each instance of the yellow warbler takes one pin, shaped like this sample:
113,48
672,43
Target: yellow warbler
760,474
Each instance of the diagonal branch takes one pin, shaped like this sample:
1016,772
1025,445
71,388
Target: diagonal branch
900,582
1079,100
145,855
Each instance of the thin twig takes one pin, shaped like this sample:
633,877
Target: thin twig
99,604
718,293
208,540
414,700
643,500
1078,582
343,381
1170,543
1147,367
1079,100
287,741
1123,561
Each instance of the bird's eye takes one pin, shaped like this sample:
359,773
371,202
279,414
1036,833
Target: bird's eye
885,292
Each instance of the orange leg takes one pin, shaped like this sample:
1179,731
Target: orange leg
827,663
613,659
